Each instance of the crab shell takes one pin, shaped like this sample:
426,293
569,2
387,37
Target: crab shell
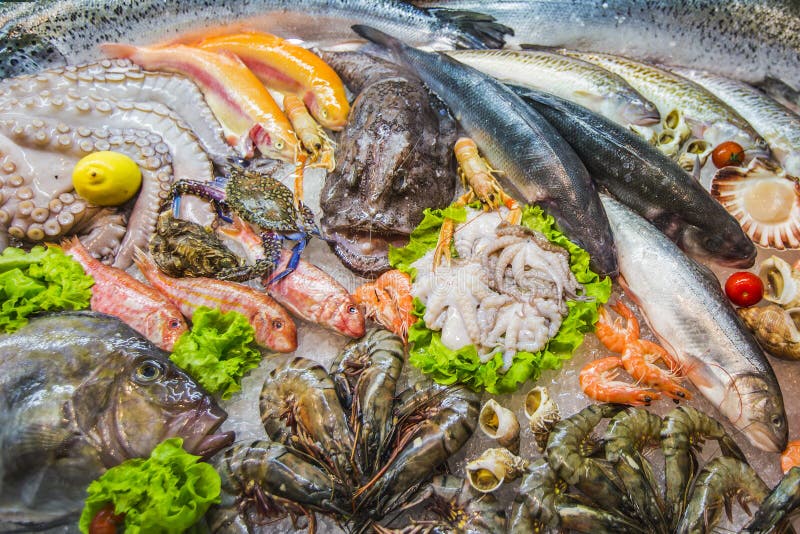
542,413
765,202
781,282
488,472
500,423
775,329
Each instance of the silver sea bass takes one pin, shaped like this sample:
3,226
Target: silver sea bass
745,39
687,310
774,122
538,166
57,32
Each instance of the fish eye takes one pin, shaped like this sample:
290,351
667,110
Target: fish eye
147,371
277,324
777,420
352,309
279,144
174,323
713,243
324,113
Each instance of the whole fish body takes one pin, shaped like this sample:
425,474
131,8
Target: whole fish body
141,307
648,182
774,122
572,79
686,309
747,40
81,392
56,33
708,117
538,166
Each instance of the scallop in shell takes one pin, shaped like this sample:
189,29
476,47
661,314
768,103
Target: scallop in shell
781,282
766,204
775,329
488,472
542,413
500,423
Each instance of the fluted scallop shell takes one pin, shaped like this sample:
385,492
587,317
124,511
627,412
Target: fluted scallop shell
766,203
775,329
488,472
542,413
500,423
781,282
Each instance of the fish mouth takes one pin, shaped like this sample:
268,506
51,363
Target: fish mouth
365,251
199,430
761,437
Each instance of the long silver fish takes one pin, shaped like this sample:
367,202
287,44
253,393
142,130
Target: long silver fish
539,166
782,93
699,327
578,81
59,32
708,117
747,39
647,181
774,122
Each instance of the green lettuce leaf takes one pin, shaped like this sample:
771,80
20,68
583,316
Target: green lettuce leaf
44,279
165,493
463,366
218,350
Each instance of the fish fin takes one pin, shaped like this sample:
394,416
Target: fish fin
143,261
36,438
480,30
542,48
376,36
696,168
118,50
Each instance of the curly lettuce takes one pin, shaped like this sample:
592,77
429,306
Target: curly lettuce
167,492
44,279
218,351
463,366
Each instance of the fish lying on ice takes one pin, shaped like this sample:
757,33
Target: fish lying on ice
648,182
55,33
81,392
700,328
394,159
744,40
539,166
572,79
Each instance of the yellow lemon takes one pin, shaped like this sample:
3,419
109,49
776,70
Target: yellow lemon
106,178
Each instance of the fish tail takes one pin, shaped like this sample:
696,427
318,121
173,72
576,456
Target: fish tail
145,264
478,29
118,50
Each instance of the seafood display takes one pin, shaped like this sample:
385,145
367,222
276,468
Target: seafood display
110,395
442,228
406,134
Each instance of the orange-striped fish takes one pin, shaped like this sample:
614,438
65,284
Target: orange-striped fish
291,69
274,328
245,109
117,293
308,291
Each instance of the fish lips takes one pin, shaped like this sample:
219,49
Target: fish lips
762,437
198,427
365,251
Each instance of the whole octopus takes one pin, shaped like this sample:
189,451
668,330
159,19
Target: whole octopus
50,120
508,288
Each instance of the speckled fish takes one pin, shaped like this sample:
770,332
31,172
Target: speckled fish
81,392
700,328
308,292
141,307
708,117
746,40
660,191
55,33
538,165
274,328
586,84
775,123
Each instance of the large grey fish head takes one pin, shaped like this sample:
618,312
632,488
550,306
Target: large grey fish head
394,160
136,398
762,417
727,245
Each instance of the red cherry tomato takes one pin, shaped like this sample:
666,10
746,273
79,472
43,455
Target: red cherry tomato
106,521
744,289
727,153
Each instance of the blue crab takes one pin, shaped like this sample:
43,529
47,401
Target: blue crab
264,202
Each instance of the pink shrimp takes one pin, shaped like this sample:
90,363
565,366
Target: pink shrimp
597,380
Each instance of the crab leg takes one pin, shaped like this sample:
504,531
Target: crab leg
297,250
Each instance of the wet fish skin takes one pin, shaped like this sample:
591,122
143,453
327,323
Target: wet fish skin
700,328
572,79
774,122
55,33
538,165
648,182
81,392
746,40
782,93
709,117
